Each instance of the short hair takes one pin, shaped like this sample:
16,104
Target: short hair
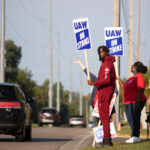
105,49
140,67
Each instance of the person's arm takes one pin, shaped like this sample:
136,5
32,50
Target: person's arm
148,100
139,95
80,63
102,81
105,78
141,88
92,76
120,82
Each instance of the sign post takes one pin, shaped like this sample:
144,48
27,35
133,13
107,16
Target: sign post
81,30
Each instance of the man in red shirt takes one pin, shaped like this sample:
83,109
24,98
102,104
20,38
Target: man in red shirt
105,86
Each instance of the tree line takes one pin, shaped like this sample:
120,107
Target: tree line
23,77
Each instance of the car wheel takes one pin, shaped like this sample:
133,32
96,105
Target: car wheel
21,137
28,133
40,124
84,126
57,124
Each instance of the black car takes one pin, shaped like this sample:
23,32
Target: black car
15,112
48,116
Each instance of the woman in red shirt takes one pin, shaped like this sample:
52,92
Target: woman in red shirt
134,99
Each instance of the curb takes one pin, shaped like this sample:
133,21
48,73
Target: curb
80,141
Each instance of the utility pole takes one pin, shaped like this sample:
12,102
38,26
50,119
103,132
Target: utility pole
117,64
2,46
70,91
50,93
130,37
58,73
138,32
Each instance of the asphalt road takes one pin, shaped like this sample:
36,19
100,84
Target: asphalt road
50,138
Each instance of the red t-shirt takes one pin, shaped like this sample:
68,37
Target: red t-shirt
131,87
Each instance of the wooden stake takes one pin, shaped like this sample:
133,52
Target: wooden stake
87,66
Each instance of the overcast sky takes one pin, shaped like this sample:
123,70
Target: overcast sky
28,25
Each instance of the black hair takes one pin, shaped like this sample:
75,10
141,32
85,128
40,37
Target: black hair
105,49
140,68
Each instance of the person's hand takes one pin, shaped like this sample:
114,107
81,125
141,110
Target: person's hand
117,77
137,106
80,63
77,62
90,82
148,101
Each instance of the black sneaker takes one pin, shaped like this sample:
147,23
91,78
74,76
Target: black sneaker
107,142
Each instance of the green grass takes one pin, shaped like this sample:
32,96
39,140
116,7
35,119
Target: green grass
144,145
126,131
34,125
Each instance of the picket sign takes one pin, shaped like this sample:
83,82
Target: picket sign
81,30
114,40
99,134
95,112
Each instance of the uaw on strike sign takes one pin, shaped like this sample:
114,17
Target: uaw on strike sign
81,30
114,40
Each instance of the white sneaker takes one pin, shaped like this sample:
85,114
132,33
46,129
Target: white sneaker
129,140
133,139
136,139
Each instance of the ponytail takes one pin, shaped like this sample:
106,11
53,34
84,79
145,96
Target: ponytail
140,67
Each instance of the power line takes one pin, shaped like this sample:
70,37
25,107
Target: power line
26,41
31,14
36,14
21,37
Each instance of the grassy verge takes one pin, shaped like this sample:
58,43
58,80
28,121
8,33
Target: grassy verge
145,145
126,132
34,125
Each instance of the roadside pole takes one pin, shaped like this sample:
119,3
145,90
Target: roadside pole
50,92
117,63
2,43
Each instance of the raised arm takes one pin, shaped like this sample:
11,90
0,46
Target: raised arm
120,82
80,63
92,76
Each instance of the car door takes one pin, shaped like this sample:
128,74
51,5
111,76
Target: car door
25,105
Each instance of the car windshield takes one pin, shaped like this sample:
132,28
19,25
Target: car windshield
49,111
7,93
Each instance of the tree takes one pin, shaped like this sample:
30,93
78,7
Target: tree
24,79
13,54
13,57
147,77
